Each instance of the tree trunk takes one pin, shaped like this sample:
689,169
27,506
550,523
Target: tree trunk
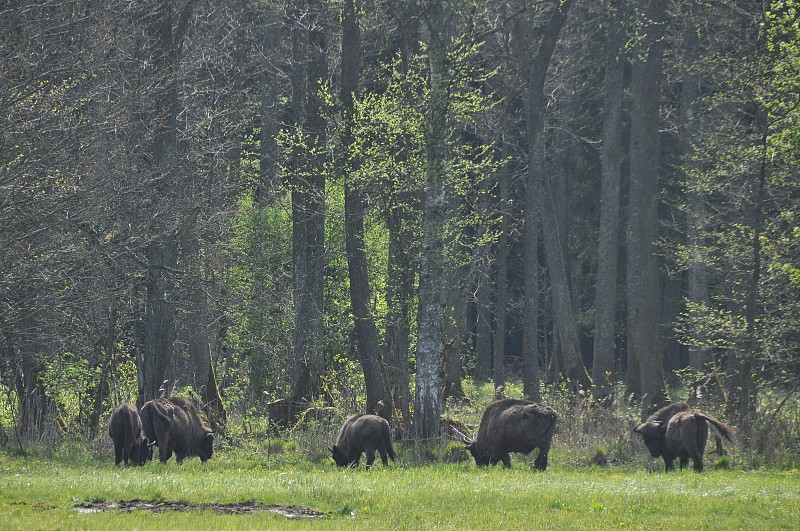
360,292
160,331
428,401
643,278
401,263
453,334
308,199
483,325
611,168
501,300
539,199
169,29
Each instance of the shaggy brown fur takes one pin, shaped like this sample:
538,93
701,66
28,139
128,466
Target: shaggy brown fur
510,425
125,429
176,426
363,434
679,431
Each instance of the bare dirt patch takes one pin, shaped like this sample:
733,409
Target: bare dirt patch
248,507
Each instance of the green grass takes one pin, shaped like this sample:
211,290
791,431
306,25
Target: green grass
42,494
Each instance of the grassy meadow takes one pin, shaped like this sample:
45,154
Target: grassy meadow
37,493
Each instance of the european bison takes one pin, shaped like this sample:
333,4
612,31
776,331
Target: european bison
363,434
125,429
679,431
510,425
175,425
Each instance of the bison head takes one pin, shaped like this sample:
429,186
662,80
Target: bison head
341,458
481,456
145,451
206,447
653,433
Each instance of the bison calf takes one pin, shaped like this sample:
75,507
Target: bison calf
363,434
175,425
679,431
510,425
125,429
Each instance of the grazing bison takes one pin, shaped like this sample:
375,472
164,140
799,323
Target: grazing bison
679,431
175,426
510,425
363,434
125,429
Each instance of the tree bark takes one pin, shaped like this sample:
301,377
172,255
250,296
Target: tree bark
428,399
401,260
360,292
308,198
539,200
645,342
160,331
169,29
501,297
611,168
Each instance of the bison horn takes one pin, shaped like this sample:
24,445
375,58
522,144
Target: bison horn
466,439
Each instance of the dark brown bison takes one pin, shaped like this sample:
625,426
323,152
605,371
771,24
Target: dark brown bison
175,426
679,431
125,429
362,433
510,425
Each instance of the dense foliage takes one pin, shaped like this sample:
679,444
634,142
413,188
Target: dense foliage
189,202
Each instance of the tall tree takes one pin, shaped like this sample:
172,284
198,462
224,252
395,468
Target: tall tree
168,27
645,347
538,199
428,401
611,163
360,293
309,58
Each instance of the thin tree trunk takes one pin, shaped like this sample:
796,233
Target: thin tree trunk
360,292
501,300
483,325
401,264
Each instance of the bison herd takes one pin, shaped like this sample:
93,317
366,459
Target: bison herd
173,424
507,426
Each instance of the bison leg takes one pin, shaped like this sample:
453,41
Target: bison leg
384,456
370,457
698,462
127,455
164,452
117,455
684,461
541,459
669,463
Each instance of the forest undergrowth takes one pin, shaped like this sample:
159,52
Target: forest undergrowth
589,432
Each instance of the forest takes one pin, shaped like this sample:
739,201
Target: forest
282,208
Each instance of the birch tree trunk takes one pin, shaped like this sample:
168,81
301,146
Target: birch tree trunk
428,402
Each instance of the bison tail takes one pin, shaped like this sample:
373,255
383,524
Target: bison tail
721,427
